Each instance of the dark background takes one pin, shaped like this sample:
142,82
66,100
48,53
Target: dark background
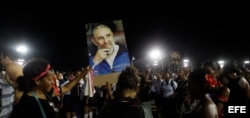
56,30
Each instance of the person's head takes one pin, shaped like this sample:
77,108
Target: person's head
182,72
2,73
245,73
37,74
213,66
128,81
7,56
200,82
103,37
167,75
59,75
158,75
77,71
231,70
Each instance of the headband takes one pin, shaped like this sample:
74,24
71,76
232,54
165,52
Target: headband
42,73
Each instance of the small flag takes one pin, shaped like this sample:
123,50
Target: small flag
89,88
133,58
132,61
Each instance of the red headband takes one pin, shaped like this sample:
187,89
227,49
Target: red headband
42,73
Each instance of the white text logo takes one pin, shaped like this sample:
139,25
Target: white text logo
236,109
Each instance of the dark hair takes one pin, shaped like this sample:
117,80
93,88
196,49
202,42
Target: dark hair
231,67
32,69
211,63
128,79
142,79
167,72
77,68
198,75
204,78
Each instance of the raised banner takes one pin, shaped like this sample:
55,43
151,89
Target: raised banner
107,49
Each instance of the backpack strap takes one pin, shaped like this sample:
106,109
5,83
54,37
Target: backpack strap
40,105
172,84
138,109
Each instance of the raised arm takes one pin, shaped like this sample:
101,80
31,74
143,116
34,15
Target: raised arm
72,83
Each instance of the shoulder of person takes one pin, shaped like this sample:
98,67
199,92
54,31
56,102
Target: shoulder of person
13,71
243,83
209,110
13,66
224,89
16,65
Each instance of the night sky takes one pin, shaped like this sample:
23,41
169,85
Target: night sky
56,31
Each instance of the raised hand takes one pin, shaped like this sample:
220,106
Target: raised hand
101,54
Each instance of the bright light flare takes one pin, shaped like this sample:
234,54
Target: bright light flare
155,54
22,49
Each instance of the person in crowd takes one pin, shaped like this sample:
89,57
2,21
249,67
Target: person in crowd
246,73
110,56
144,94
221,93
200,82
157,93
168,88
69,106
85,107
125,103
2,74
37,89
9,96
239,89
156,90
182,82
59,82
185,105
60,78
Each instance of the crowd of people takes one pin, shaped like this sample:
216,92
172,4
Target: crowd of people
37,90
